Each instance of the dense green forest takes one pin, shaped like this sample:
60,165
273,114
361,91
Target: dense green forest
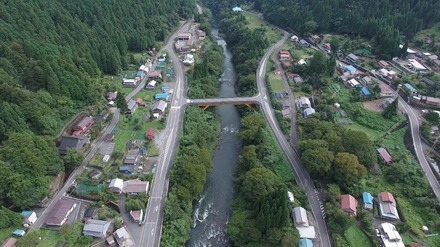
52,58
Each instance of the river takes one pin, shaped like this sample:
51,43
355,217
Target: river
212,211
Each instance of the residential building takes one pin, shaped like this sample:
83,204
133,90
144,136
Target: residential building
136,187
126,169
410,88
131,106
367,80
165,88
391,237
348,204
144,68
60,212
350,69
308,112
285,104
416,66
123,238
385,90
155,74
365,92
431,100
284,55
162,96
303,102
305,242
299,215
129,82
140,102
387,206
110,241
436,65
111,96
137,215
384,155
298,79
428,82
151,85
90,214
29,217
159,106
237,9
96,228
277,72
116,185
368,200
328,46
140,74
189,59
354,83
387,102
76,143
285,112
201,34
83,126
353,58
149,134
130,159
184,36
95,174
9,242
384,64
304,43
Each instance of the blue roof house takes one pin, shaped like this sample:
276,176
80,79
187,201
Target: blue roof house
19,232
411,88
305,242
140,74
163,96
128,169
368,200
365,92
350,68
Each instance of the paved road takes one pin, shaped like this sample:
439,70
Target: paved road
95,147
301,174
152,228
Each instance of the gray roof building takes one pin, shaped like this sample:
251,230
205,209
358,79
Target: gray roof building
84,123
75,142
131,106
123,238
159,106
96,228
60,212
299,215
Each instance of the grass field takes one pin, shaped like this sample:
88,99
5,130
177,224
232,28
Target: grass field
255,22
276,82
356,238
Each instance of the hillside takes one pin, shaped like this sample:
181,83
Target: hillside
53,55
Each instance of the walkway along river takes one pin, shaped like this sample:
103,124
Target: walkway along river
212,212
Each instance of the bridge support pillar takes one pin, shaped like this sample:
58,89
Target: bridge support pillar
205,107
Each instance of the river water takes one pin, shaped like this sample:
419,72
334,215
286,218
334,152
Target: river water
212,211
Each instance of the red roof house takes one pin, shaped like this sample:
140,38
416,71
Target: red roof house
348,204
83,126
140,102
386,157
284,55
149,134
277,71
327,46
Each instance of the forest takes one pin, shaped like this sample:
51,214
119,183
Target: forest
52,60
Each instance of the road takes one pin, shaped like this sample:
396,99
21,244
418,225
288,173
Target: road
95,147
152,227
301,174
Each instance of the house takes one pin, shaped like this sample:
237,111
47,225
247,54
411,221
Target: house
184,36
83,126
294,38
96,228
149,134
432,57
136,187
299,215
123,238
353,58
316,38
137,215
155,74
129,82
131,106
304,43
387,206
140,74
76,143
189,59
384,155
387,102
354,83
60,212
305,242
410,88
416,66
285,104
184,46
391,237
350,69
298,79
285,112
95,174
328,46
159,106
277,71
237,9
284,55
365,92
201,34
19,232
434,130
130,160
385,90
110,241
111,96
162,96
384,64
303,102
308,112
9,242
116,185
348,204
126,169
368,200
29,217
140,102
151,85
90,213
367,80
144,68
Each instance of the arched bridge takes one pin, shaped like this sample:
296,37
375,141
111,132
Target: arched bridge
205,103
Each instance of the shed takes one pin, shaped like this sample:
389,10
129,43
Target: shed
19,232
350,69
128,169
137,215
411,88
162,96
386,157
29,217
368,200
149,134
305,242
116,185
365,92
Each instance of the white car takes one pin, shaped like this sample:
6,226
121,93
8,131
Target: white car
377,232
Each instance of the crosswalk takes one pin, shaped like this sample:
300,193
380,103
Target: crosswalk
321,205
